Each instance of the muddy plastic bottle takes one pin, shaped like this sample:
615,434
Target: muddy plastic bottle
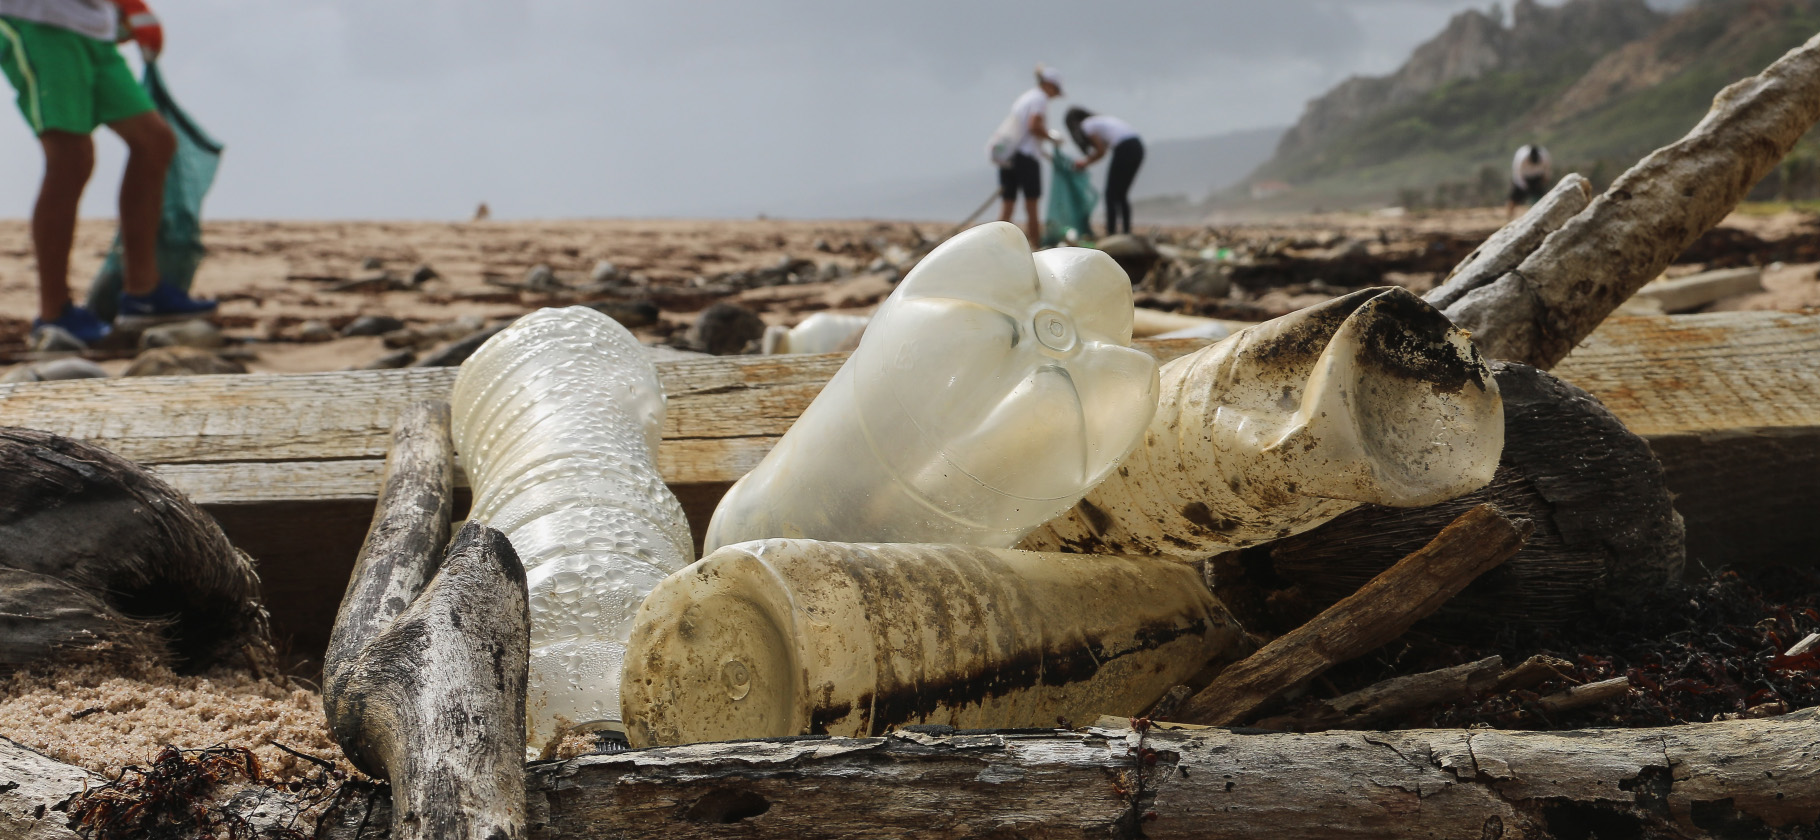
990,391
1370,398
796,637
557,421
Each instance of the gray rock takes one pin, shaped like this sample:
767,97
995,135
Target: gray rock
422,274
179,360
458,351
605,273
371,325
1209,279
196,333
51,338
316,331
55,369
541,278
726,329
1135,254
391,361
371,264
630,314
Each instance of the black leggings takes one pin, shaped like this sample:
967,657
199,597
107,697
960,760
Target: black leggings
1127,156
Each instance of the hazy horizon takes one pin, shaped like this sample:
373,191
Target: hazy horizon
338,109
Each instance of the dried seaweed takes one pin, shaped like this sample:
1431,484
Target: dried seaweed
179,797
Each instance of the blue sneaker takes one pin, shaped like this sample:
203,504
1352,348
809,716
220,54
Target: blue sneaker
165,304
78,322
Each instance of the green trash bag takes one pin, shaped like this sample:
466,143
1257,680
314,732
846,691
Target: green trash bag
191,174
1071,201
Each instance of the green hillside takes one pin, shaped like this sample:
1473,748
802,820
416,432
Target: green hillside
1452,145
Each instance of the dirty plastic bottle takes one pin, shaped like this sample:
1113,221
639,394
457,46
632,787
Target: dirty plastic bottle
557,421
796,637
1370,398
990,391
822,332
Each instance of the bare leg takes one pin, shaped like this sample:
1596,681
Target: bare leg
150,145
68,161
1035,229
1005,208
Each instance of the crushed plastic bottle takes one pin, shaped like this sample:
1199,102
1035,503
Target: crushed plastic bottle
1370,398
822,332
557,420
990,391
798,637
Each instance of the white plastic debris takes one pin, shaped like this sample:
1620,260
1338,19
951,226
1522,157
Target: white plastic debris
822,332
990,391
557,421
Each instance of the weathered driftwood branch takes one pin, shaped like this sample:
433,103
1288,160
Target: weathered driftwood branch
1513,243
1380,611
1540,310
424,682
100,558
1384,701
1581,696
1605,525
1734,778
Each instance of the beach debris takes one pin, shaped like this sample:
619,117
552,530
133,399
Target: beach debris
797,637
372,264
821,332
541,278
1686,294
606,273
99,558
458,351
1605,527
180,360
631,314
726,329
424,676
1377,613
392,361
50,338
1207,279
1137,255
422,274
557,420
430,335
315,331
990,391
366,325
1369,398
197,333
73,367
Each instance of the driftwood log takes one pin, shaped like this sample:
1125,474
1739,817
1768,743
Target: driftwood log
1557,295
1377,613
1605,526
424,680
99,558
1728,779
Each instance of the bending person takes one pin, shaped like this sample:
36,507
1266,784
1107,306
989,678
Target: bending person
1529,173
1099,135
60,57
1016,146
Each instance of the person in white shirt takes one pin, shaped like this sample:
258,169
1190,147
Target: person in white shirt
1099,135
1017,144
1529,173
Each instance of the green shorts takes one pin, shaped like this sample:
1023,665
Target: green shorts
67,81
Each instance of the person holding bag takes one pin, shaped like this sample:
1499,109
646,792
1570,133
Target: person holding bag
1016,145
1099,135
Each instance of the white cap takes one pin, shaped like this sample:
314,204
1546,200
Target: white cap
1050,75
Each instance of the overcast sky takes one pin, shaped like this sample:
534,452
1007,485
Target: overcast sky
579,108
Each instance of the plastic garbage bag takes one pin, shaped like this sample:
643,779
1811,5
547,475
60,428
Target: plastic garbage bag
1071,201
191,174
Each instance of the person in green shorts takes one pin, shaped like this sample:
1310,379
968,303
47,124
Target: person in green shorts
60,57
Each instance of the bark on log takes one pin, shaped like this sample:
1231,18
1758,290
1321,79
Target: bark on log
1605,522
1379,612
1734,778
424,683
1539,311
97,549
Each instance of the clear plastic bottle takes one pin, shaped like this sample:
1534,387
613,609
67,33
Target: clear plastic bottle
557,421
991,390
